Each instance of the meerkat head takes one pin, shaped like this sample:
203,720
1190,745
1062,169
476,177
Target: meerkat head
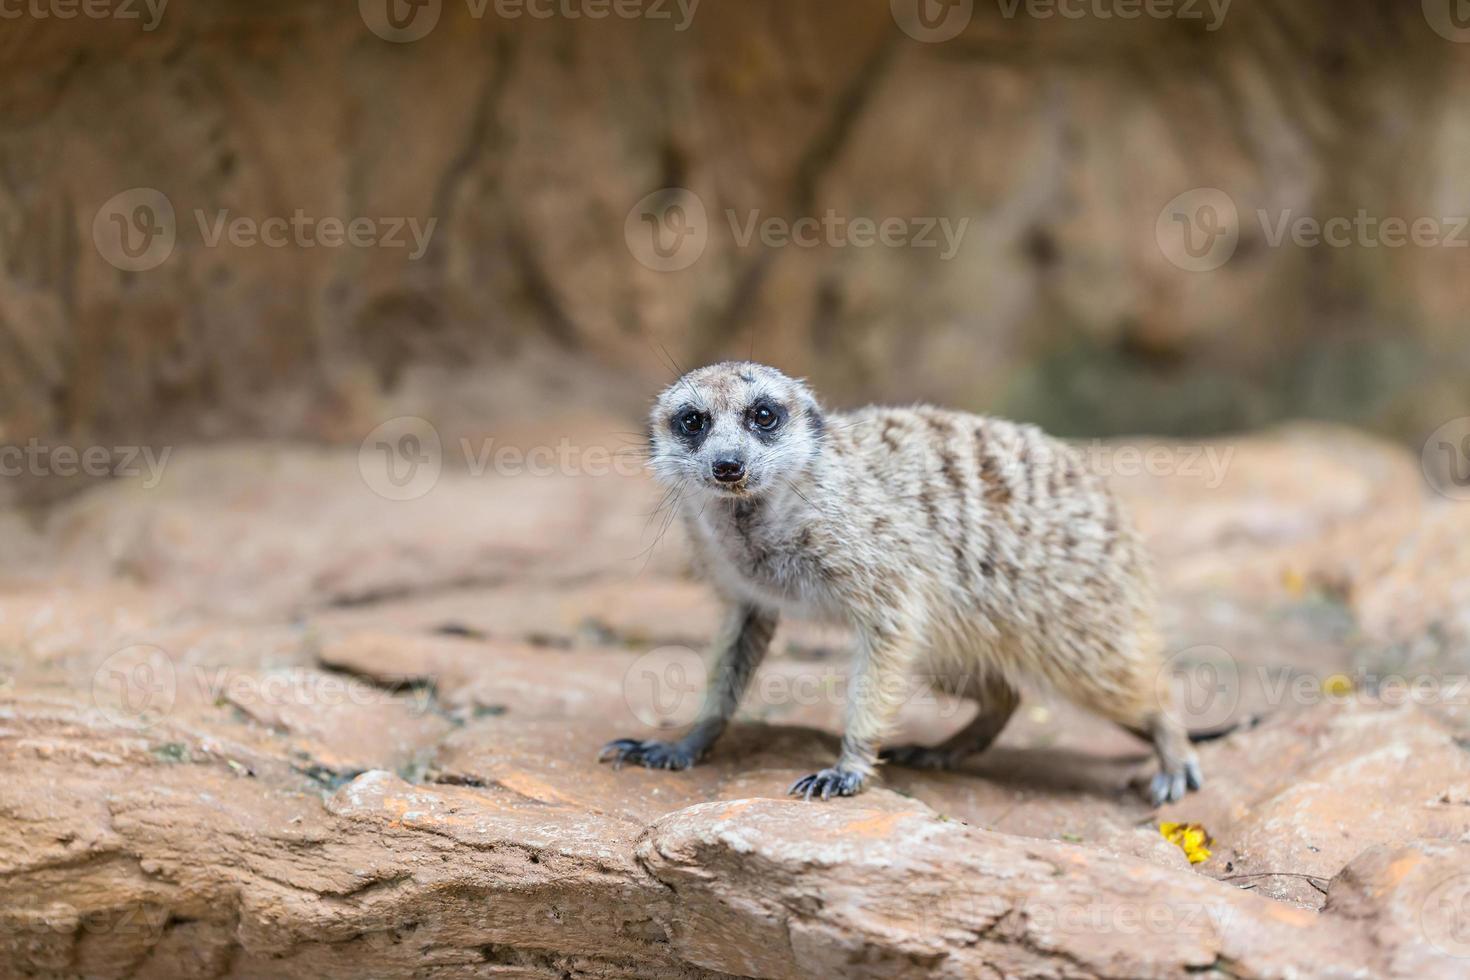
735,428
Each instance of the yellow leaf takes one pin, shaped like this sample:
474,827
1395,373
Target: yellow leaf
1191,838
1295,582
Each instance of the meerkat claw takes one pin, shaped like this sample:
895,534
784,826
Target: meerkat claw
1167,788
917,757
650,754
827,783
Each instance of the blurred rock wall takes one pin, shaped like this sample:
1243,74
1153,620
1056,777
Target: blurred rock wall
1055,135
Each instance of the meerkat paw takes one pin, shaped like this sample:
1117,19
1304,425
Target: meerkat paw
918,757
828,783
1170,787
650,754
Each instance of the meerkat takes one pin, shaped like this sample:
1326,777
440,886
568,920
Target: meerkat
970,552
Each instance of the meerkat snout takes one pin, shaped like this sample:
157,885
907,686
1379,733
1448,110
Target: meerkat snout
970,552
728,470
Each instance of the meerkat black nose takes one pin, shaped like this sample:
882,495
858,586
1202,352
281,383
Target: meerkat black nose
728,470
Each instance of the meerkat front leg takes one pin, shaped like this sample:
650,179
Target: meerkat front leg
741,644
877,688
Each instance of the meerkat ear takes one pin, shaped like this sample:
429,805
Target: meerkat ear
815,420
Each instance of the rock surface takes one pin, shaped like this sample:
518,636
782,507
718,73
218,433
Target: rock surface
259,721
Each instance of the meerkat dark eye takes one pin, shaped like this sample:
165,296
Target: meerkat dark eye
692,423
763,417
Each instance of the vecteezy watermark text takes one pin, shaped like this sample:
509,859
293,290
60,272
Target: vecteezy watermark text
42,917
667,687
668,230
37,458
137,230
1206,464
1201,687
404,21
1212,12
1364,230
833,230
303,230
681,12
937,21
402,458
136,687
1200,230
150,12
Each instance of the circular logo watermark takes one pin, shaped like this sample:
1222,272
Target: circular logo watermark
402,458
1199,687
665,688
932,21
1446,459
1450,19
135,230
1199,230
400,21
1445,917
135,686
668,230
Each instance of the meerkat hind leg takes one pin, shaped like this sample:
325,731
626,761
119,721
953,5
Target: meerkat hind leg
1127,696
1179,769
997,700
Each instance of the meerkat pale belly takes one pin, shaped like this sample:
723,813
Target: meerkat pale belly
972,552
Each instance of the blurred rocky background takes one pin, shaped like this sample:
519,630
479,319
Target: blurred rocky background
1058,133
